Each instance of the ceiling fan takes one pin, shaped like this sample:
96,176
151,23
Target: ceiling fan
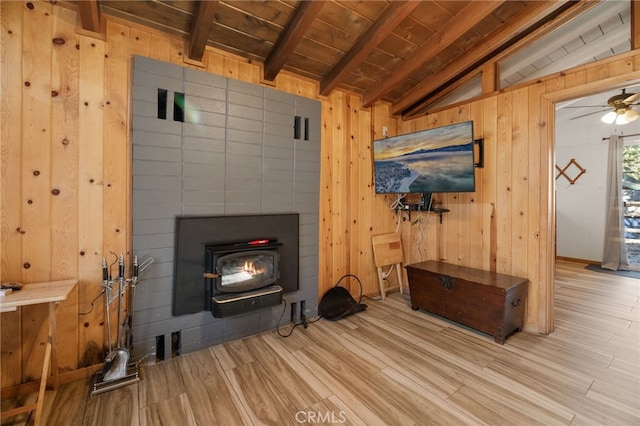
621,109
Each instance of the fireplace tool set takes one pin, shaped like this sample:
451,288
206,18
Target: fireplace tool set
118,369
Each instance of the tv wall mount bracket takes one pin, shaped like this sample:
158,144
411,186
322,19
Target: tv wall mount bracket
480,143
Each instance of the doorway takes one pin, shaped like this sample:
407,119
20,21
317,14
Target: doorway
631,199
581,151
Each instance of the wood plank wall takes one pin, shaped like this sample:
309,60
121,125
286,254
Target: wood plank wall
66,174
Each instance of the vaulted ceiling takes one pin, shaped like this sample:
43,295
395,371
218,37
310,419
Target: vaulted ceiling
407,53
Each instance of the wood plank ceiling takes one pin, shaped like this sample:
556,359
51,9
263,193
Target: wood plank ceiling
407,53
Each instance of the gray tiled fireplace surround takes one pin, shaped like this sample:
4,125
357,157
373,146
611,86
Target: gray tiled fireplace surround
230,151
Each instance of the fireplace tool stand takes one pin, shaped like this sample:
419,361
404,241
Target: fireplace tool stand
118,370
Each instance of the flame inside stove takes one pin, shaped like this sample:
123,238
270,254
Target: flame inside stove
242,270
250,268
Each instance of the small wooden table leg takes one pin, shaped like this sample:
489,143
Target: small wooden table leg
43,382
52,336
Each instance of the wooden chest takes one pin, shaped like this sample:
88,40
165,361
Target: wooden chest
490,302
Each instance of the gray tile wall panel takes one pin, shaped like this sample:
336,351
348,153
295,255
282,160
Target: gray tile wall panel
154,125
282,152
157,212
277,203
304,187
157,198
252,128
147,287
309,245
154,226
159,255
154,153
279,142
204,78
144,108
199,104
155,81
304,207
279,96
198,337
237,88
278,175
155,300
279,164
152,322
250,149
204,131
270,187
202,210
215,142
155,168
157,67
212,172
171,183
253,112
239,166
283,131
208,158
203,197
241,325
194,89
142,94
246,99
159,312
306,197
308,267
210,202
303,177
212,180
279,113
146,346
243,208
151,241
308,151
235,154
203,118
251,199
164,140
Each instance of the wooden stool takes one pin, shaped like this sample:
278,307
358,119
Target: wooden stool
387,250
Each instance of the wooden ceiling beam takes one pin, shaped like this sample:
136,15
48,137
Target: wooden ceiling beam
89,12
390,18
514,28
296,28
635,25
200,28
458,25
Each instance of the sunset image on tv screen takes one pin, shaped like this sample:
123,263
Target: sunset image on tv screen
433,160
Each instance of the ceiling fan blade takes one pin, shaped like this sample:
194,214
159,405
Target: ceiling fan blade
585,115
631,99
588,106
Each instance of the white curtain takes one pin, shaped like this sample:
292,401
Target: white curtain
615,251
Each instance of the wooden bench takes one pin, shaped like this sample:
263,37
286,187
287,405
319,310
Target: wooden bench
486,301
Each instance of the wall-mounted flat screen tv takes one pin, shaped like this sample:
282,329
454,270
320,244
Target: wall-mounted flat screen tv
434,160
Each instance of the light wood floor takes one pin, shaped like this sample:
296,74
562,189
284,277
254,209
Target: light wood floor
391,365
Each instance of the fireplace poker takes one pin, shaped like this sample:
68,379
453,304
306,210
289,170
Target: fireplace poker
117,368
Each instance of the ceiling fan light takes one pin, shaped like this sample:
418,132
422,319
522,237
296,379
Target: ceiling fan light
631,115
620,119
609,117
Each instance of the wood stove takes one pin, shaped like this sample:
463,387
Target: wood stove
242,276
198,238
